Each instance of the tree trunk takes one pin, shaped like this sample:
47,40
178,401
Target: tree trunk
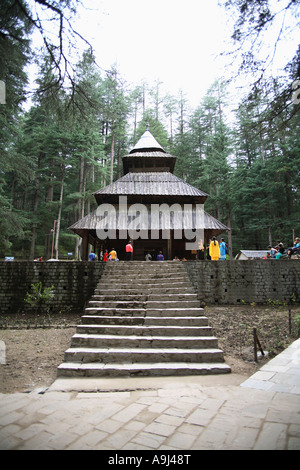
112,159
119,160
270,236
229,237
80,207
59,216
35,208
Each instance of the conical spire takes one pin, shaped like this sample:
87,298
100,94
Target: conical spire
147,142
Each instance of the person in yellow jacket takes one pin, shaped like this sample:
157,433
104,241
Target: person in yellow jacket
214,249
112,255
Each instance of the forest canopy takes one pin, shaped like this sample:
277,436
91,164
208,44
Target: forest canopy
81,120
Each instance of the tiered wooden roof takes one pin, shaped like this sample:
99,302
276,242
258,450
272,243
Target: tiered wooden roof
148,178
94,221
150,183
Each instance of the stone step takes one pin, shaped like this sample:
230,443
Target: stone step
126,312
154,268
145,263
143,297
79,369
166,304
146,272
120,304
157,268
115,341
149,290
131,268
144,291
144,320
148,266
120,297
144,330
140,280
154,312
150,304
166,287
142,355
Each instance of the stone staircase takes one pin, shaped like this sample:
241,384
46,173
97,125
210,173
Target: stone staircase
144,319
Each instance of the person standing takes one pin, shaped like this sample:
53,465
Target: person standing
222,249
129,251
92,256
200,250
207,249
160,256
214,249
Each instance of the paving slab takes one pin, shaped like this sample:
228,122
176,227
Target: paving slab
164,414
281,374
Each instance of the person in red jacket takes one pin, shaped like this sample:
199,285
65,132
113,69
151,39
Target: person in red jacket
129,251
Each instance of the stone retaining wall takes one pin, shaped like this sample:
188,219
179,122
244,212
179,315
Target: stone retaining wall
221,282
74,283
238,282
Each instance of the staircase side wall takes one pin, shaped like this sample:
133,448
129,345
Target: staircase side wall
237,282
73,282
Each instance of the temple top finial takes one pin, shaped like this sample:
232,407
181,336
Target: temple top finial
147,142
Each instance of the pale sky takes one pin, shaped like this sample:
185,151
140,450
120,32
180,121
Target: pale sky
174,41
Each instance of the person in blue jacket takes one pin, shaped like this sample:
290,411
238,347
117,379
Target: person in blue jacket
296,247
222,249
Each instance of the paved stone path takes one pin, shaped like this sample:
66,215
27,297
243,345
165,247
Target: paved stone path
163,414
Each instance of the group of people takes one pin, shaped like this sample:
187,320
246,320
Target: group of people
112,255
277,251
215,251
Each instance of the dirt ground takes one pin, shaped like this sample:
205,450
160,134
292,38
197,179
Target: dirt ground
34,346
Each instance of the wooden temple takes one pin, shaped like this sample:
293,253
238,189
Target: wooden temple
148,182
